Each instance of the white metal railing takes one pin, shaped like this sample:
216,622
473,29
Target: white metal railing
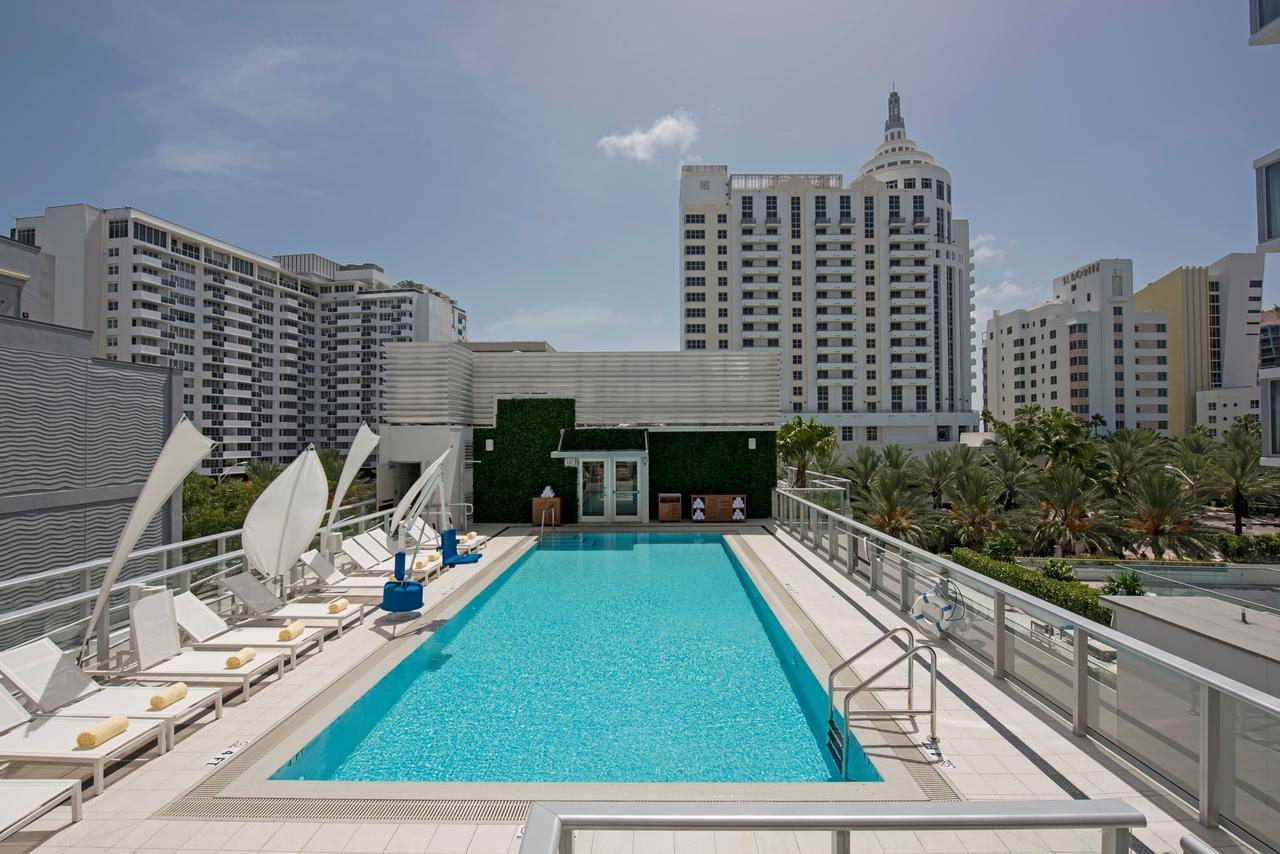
552,825
1212,738
57,602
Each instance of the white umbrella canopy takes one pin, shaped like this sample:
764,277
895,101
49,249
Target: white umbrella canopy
361,447
282,522
182,452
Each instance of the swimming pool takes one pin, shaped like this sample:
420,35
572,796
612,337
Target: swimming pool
601,658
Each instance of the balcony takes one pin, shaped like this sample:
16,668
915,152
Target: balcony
835,253
751,254
910,254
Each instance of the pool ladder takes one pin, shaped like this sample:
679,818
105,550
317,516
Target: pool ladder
838,734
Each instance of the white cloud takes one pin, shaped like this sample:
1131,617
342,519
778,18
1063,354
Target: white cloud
676,131
265,86
208,156
986,252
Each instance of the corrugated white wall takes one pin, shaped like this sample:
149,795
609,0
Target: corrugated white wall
440,383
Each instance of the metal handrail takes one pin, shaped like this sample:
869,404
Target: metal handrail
550,826
844,665
908,655
1195,845
542,520
1013,596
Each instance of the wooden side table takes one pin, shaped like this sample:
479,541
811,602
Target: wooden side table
555,516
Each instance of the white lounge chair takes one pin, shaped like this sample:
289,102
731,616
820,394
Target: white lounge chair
264,604
366,561
209,631
153,628
337,583
50,679
423,529
24,801
52,739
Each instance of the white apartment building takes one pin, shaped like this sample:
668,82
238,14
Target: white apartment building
1087,349
275,353
866,289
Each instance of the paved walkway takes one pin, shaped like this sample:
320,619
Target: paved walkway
1005,748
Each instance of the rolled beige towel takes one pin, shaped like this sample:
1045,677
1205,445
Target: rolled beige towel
168,695
471,535
338,606
102,732
420,564
293,631
239,659
433,556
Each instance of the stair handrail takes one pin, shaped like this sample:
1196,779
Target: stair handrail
908,655
542,521
844,665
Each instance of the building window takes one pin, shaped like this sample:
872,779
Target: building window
147,234
846,434
873,434
118,228
1271,193
695,344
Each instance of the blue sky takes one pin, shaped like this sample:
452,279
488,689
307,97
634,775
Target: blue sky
460,143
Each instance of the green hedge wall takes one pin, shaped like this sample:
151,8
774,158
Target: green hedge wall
1075,596
527,431
713,462
520,464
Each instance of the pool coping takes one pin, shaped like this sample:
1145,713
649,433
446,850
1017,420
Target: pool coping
242,788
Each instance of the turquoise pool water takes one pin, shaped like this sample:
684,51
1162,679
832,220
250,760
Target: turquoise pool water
607,658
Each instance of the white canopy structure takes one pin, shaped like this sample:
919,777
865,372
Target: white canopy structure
361,447
182,451
282,522
410,506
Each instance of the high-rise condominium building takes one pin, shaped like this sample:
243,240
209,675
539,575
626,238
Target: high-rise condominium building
1214,314
1087,349
275,353
865,288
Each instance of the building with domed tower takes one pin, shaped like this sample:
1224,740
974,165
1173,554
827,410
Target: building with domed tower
865,288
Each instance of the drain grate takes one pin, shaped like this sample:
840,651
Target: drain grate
346,809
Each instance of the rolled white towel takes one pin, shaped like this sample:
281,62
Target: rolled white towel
698,504
738,503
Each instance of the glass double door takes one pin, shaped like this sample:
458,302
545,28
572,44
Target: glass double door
609,489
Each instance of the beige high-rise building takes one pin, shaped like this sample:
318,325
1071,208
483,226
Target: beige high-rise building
275,353
1213,315
866,288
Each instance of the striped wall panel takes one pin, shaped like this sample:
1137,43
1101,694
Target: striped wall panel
42,418
127,424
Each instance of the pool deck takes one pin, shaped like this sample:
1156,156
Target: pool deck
996,745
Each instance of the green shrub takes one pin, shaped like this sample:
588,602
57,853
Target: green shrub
717,462
1263,548
1074,596
1126,582
507,478
1058,570
1001,547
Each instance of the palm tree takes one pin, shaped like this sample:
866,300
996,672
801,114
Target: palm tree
897,457
1125,457
1072,512
261,472
935,474
800,442
964,456
1159,512
1097,422
975,506
895,507
861,469
1238,479
1012,473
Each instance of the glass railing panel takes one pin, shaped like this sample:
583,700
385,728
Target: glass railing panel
1039,654
1148,711
975,627
1250,790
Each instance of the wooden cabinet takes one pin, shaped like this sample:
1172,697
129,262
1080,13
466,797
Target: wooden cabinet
717,508
555,516
669,506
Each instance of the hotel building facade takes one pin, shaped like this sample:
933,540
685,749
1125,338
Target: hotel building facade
864,289
275,353
1087,349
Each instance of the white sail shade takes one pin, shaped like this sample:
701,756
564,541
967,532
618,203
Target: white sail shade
361,447
282,522
432,475
182,452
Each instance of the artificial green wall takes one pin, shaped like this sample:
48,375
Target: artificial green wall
713,462
506,479
527,431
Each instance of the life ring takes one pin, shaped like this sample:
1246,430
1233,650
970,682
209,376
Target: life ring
934,609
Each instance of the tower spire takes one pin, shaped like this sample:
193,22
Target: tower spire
895,112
